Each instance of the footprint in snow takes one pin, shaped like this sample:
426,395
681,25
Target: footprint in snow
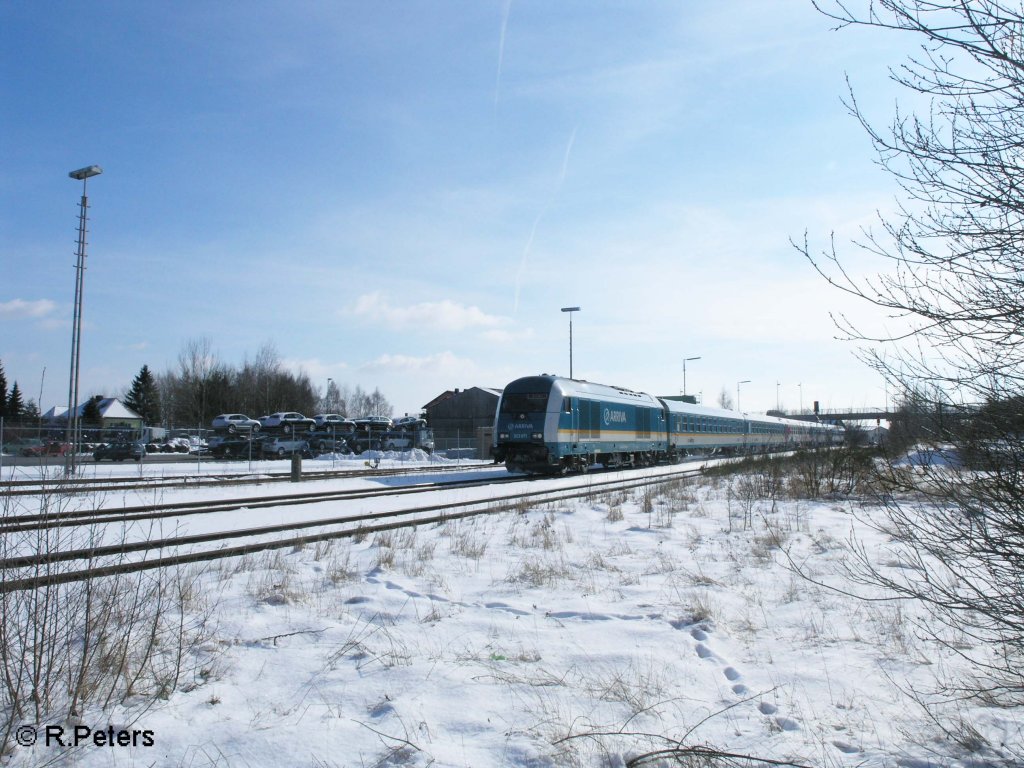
845,748
409,592
507,608
381,709
578,615
704,652
767,709
731,674
787,724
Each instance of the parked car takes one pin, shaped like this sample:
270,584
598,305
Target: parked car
374,423
52,448
325,422
235,422
288,421
409,423
120,451
329,444
175,445
285,446
250,446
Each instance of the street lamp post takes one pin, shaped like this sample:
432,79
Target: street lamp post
745,381
685,360
800,386
570,310
73,426
777,385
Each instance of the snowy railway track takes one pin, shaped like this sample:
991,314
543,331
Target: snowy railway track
154,512
35,487
32,571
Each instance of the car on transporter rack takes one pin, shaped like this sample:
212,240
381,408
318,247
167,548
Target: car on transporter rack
325,422
235,422
288,422
279,447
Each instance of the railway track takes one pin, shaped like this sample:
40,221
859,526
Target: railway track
78,485
31,571
154,512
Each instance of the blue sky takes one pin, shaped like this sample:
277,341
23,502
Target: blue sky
402,195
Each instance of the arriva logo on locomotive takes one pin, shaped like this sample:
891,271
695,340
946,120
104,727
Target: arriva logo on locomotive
617,417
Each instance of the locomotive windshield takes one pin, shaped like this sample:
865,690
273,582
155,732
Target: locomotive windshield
524,402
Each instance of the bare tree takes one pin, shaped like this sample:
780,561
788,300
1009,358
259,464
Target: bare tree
957,272
198,372
725,399
203,386
957,284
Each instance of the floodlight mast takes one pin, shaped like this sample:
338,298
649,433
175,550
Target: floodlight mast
570,310
72,434
685,361
738,383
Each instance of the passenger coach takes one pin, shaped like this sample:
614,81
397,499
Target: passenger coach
552,424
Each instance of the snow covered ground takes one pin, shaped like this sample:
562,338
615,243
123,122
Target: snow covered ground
576,634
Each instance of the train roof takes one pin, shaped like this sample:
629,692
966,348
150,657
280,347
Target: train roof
678,406
580,388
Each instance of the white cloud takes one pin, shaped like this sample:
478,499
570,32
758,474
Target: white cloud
22,308
442,362
501,336
444,315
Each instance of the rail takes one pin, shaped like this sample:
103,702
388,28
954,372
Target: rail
354,525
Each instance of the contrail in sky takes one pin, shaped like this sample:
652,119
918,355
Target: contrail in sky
544,210
501,48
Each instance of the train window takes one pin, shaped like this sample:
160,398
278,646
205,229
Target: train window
524,402
566,405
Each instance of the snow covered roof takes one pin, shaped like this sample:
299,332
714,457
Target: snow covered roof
112,408
109,407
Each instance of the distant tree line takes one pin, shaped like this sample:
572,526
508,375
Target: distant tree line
13,406
202,385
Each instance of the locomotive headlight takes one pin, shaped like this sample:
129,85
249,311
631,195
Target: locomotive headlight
538,435
503,435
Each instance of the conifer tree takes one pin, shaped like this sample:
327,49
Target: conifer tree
144,397
3,391
91,414
15,404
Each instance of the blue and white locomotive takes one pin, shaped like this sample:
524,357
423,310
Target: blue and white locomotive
554,425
